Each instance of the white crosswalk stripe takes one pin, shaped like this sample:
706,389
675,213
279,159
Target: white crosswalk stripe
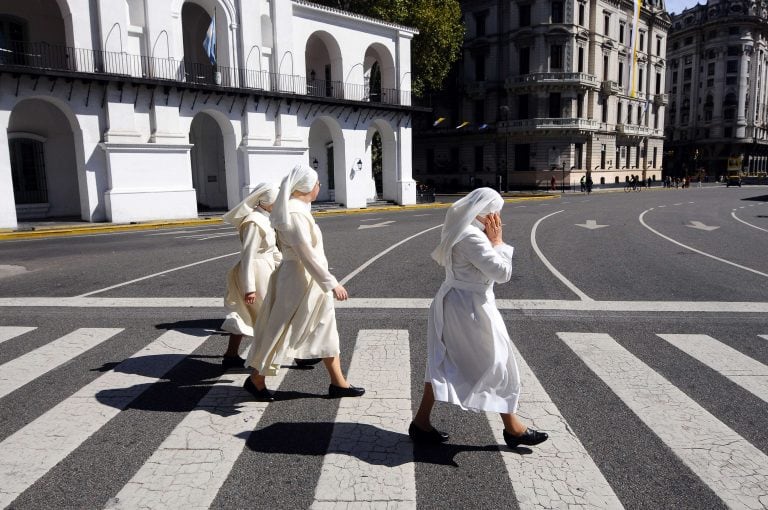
32,451
191,465
726,462
562,473
27,368
9,332
735,366
370,459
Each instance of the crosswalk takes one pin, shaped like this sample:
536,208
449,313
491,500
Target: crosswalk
369,462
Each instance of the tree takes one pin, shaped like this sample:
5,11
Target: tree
438,43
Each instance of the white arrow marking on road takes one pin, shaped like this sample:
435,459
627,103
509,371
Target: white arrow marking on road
591,225
699,225
375,225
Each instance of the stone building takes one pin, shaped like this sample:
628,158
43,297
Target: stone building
113,110
718,98
546,87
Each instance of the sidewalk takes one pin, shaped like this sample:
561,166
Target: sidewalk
72,227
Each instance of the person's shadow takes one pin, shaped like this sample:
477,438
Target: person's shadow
367,443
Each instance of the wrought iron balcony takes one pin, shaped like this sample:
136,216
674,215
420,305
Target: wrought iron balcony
46,57
582,80
557,125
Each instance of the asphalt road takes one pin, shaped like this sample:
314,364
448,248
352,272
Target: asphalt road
618,268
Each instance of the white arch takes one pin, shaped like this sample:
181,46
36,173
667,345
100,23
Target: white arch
317,149
389,171
229,140
332,48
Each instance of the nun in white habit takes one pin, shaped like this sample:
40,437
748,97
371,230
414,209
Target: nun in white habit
247,281
470,362
298,318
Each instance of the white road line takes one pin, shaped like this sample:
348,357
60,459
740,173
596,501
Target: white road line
24,369
8,332
371,219
217,236
158,274
549,266
748,224
190,466
377,257
405,303
573,480
176,232
370,463
727,361
207,234
736,471
745,268
32,451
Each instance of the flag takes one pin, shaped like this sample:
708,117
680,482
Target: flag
484,126
209,43
438,121
645,107
463,124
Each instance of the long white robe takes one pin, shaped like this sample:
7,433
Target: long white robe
469,361
258,258
298,318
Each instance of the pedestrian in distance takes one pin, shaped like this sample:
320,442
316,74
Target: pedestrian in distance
298,318
470,361
552,183
247,281
583,184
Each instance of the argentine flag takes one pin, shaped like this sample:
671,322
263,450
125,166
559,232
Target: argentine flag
209,43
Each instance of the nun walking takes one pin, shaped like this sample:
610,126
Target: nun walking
470,361
298,318
248,280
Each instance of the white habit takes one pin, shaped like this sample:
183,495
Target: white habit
258,258
469,361
298,318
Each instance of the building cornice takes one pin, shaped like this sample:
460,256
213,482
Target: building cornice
352,16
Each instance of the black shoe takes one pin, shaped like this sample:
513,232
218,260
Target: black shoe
529,438
307,362
228,362
338,392
260,395
433,436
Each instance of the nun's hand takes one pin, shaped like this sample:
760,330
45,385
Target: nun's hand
340,293
250,298
493,228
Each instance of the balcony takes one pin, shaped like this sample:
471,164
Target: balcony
552,80
545,126
660,99
633,130
610,87
44,59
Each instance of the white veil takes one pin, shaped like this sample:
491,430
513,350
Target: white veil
263,194
479,202
300,178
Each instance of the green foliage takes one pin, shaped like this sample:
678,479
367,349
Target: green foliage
435,48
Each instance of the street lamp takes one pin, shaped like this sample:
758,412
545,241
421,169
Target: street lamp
359,165
315,164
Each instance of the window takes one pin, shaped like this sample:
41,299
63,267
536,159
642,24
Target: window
629,114
605,110
556,56
557,12
479,66
658,82
524,12
732,66
637,157
621,33
579,155
675,76
606,24
554,105
479,111
580,106
524,60
728,132
605,67
581,13
522,106
641,45
581,60
656,118
480,18
687,74
602,157
734,51
640,79
523,157
621,73
658,46
729,113
688,41
711,69
479,158
28,171
654,157
618,113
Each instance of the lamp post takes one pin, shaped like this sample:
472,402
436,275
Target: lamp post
563,183
504,110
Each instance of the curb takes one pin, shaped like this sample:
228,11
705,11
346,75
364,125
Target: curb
69,230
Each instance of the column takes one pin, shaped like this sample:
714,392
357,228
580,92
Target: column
7,201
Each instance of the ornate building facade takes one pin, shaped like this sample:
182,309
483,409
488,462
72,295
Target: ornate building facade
718,89
545,88
113,110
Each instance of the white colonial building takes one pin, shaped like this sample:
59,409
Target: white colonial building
112,110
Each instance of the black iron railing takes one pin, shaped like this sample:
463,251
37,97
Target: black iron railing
62,58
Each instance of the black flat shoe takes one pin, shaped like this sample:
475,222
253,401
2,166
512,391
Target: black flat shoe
339,392
529,438
433,436
307,362
260,395
228,362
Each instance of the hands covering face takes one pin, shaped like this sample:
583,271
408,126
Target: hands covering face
492,224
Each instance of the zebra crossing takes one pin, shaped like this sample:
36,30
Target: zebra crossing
369,460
